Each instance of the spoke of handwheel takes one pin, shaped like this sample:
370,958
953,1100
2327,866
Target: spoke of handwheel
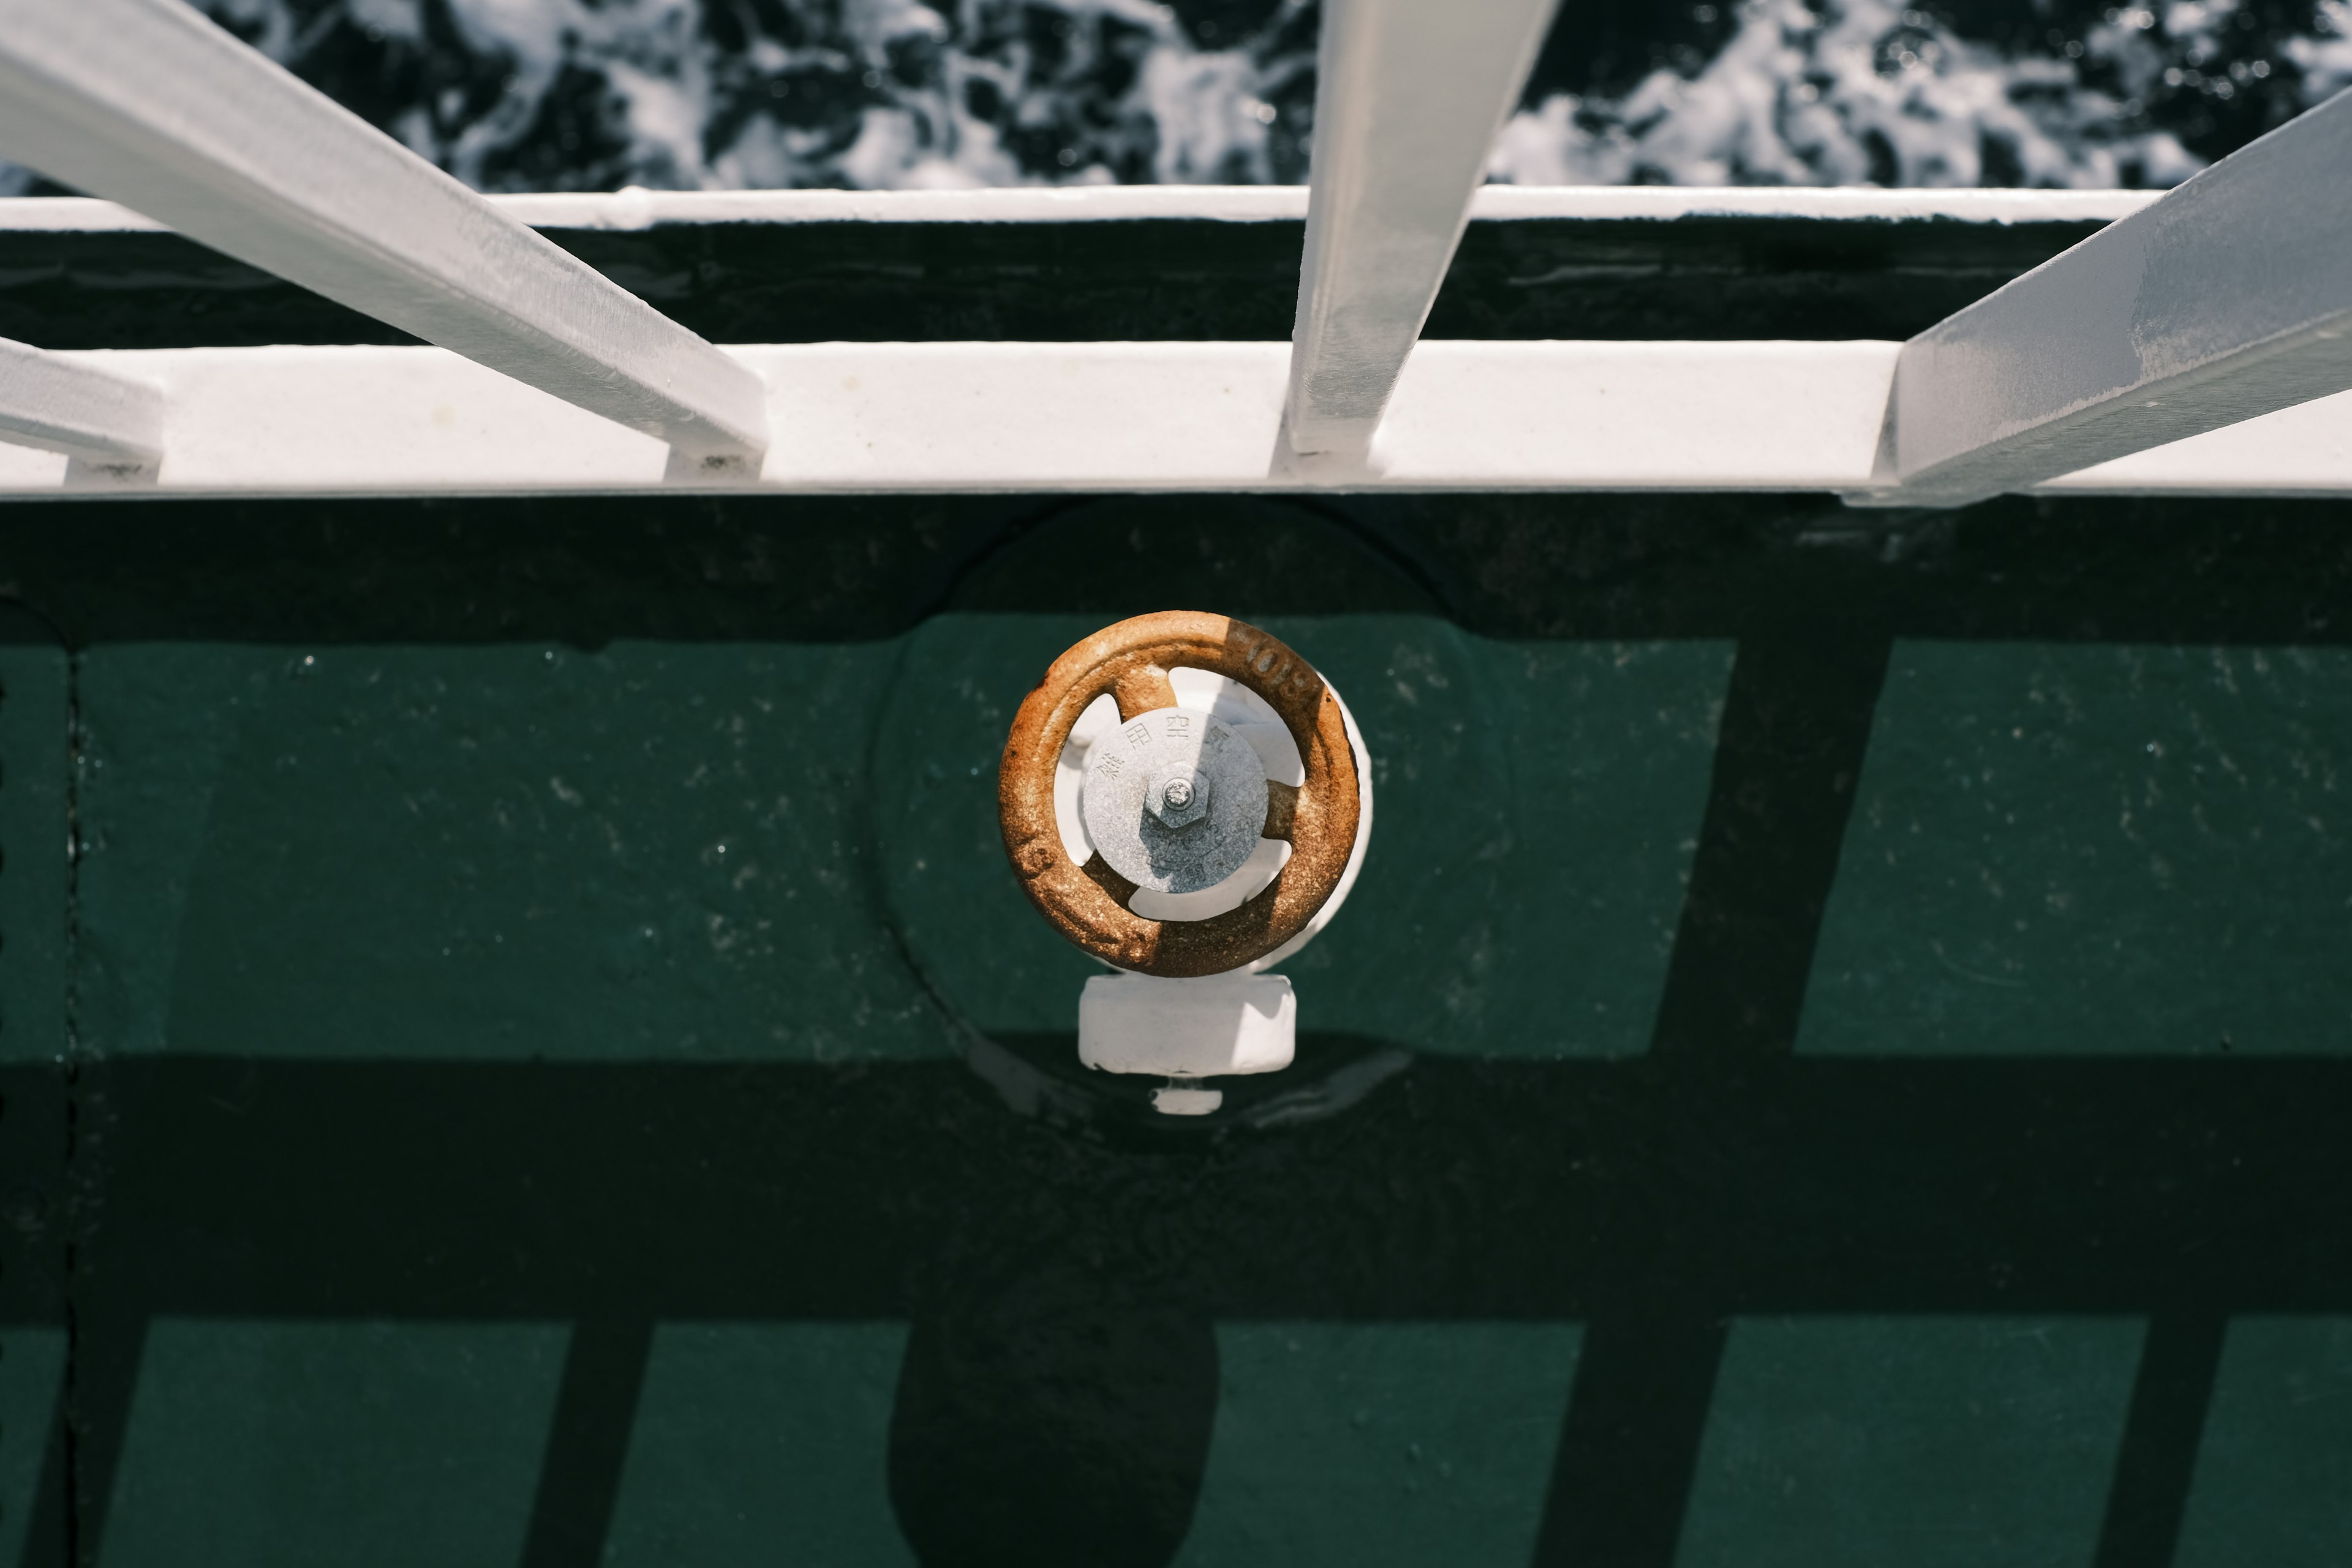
1100,872
1143,689
1281,810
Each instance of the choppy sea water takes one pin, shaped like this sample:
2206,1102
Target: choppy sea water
730,94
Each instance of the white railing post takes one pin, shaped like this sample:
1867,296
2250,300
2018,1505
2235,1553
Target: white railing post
1410,96
59,406
148,104
2229,297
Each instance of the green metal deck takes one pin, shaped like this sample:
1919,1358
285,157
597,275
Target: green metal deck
520,1046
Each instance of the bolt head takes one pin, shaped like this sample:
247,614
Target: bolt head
1138,773
1178,798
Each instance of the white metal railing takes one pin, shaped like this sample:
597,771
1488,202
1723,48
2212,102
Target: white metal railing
2191,348
2230,298
148,104
1409,99
948,417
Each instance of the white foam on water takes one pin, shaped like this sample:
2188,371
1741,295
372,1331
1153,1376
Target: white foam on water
1861,91
897,95
2326,59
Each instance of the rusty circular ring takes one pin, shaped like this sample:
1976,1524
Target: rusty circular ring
1131,661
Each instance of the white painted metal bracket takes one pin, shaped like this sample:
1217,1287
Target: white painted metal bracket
110,420
1409,97
149,104
2230,298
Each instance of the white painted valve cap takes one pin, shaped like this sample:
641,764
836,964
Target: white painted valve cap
1209,1028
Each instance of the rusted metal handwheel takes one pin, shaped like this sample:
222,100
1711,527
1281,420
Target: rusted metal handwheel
1320,818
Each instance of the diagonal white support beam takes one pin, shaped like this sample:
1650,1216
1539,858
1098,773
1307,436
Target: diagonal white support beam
1410,96
2230,298
147,103
60,405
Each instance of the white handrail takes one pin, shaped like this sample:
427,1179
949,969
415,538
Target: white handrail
1021,417
147,103
1410,96
1090,418
58,404
2232,297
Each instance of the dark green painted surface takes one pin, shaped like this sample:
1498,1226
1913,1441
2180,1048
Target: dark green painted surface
32,1375
1378,1443
639,853
1839,1054
2049,839
2276,1480
356,1441
35,780
755,1441
1926,1440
